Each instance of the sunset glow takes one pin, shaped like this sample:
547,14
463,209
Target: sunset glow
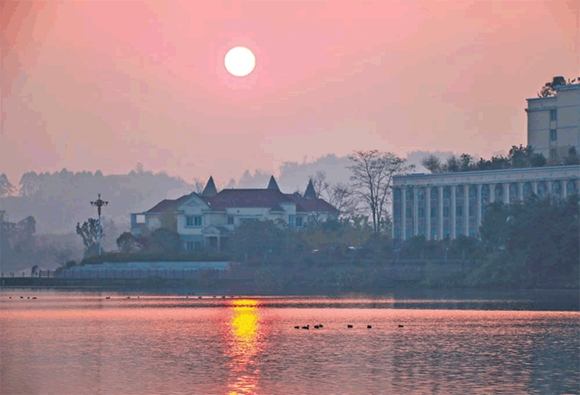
103,85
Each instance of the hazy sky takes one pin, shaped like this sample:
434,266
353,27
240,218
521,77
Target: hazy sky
103,84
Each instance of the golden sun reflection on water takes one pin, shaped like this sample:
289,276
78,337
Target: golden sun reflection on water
244,325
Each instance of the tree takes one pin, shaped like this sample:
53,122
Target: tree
126,242
89,232
343,198
198,186
62,255
432,163
258,239
465,162
321,186
452,164
493,225
572,158
372,177
29,184
6,187
165,240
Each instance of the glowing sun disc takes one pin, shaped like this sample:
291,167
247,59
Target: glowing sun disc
240,61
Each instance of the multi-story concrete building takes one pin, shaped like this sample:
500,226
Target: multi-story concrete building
452,204
208,219
554,122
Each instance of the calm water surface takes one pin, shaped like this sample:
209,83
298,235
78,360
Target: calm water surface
83,343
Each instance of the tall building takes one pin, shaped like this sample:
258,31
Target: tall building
452,204
554,122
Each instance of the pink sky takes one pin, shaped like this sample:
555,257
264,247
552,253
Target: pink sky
103,84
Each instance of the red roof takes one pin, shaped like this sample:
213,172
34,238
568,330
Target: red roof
167,204
258,198
248,198
312,205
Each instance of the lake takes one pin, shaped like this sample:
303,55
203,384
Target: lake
83,343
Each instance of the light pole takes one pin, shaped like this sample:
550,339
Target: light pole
99,203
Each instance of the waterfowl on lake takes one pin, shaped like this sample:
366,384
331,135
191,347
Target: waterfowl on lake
400,326
297,327
306,327
369,327
349,326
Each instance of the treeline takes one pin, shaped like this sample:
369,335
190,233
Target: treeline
517,157
61,199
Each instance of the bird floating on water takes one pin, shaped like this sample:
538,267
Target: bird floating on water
349,326
369,327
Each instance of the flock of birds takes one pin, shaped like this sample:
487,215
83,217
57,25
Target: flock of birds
22,297
319,326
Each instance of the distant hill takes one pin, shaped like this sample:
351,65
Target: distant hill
61,199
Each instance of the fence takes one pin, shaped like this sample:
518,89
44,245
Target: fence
134,274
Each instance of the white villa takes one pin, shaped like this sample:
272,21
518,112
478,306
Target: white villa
206,220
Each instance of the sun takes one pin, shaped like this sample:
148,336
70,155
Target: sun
240,61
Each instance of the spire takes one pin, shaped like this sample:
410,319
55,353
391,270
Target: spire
310,193
210,189
273,184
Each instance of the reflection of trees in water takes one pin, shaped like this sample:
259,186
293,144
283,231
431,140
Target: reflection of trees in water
245,346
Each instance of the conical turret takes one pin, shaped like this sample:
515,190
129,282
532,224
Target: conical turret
210,189
310,193
273,184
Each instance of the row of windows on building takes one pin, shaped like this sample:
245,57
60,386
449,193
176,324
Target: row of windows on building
196,221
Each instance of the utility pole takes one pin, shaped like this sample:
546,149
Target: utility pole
99,203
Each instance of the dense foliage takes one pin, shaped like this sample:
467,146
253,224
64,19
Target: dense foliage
517,157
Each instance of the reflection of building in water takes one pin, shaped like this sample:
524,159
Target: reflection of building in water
245,346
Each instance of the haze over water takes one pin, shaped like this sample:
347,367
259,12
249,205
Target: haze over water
83,343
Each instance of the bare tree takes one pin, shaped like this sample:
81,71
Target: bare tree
372,177
343,198
321,186
198,185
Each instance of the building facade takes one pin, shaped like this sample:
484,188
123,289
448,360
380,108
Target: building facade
207,220
451,204
554,122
